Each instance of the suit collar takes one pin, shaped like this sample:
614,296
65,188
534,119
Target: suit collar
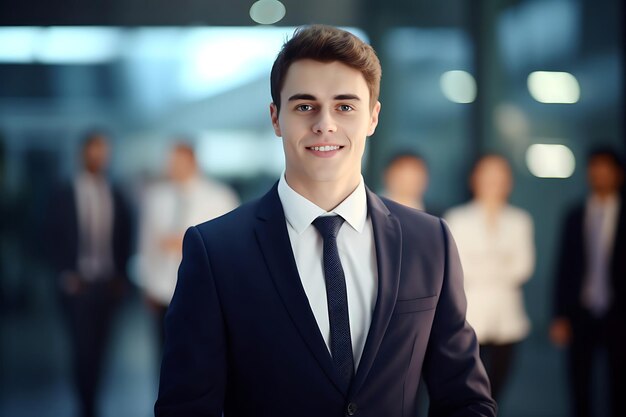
300,212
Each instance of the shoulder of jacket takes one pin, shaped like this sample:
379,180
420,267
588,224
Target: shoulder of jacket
236,220
410,218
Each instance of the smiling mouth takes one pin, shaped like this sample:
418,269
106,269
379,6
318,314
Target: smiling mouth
327,148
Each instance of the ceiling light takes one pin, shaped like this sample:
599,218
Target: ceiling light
458,86
554,87
550,161
267,12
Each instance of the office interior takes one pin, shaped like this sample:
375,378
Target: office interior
540,82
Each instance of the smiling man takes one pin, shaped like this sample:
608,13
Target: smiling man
320,298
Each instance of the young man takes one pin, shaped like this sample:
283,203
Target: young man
321,299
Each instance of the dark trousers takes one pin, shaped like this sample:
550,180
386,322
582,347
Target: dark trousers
589,336
497,359
89,315
159,313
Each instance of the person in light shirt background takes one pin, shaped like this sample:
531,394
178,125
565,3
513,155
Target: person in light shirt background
184,199
496,246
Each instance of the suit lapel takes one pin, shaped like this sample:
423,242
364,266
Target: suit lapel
273,238
388,242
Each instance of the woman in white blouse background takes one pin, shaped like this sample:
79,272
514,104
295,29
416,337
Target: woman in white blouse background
495,242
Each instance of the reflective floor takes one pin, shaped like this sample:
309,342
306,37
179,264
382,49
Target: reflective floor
35,378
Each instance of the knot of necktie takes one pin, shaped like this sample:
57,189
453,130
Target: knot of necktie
328,226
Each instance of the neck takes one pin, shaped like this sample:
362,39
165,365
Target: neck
491,206
94,172
324,194
185,180
603,196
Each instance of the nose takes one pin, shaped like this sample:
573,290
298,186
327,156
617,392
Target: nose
324,123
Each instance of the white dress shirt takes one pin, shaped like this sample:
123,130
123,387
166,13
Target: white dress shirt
168,210
357,252
496,262
94,203
596,293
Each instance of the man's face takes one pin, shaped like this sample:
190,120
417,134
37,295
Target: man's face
324,119
604,175
96,154
182,165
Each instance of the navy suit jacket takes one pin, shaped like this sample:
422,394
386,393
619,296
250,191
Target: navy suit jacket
241,337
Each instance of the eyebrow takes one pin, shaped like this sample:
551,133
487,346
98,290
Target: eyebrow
311,97
347,97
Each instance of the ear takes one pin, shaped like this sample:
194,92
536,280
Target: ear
274,117
374,119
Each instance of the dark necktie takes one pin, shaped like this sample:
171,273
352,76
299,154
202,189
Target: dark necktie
340,341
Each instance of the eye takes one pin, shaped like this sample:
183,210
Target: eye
304,107
345,107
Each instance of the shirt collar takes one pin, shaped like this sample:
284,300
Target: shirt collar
301,212
190,184
85,176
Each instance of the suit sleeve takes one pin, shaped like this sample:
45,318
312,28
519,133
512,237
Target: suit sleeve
456,379
193,372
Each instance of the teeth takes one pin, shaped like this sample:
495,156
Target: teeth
325,148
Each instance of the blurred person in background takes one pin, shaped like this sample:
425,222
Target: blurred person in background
406,180
89,237
590,287
185,199
495,241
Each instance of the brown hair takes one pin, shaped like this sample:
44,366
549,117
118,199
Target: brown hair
326,44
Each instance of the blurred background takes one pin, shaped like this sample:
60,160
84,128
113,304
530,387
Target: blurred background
538,81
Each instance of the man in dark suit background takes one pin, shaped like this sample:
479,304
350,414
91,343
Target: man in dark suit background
89,239
590,289
320,298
